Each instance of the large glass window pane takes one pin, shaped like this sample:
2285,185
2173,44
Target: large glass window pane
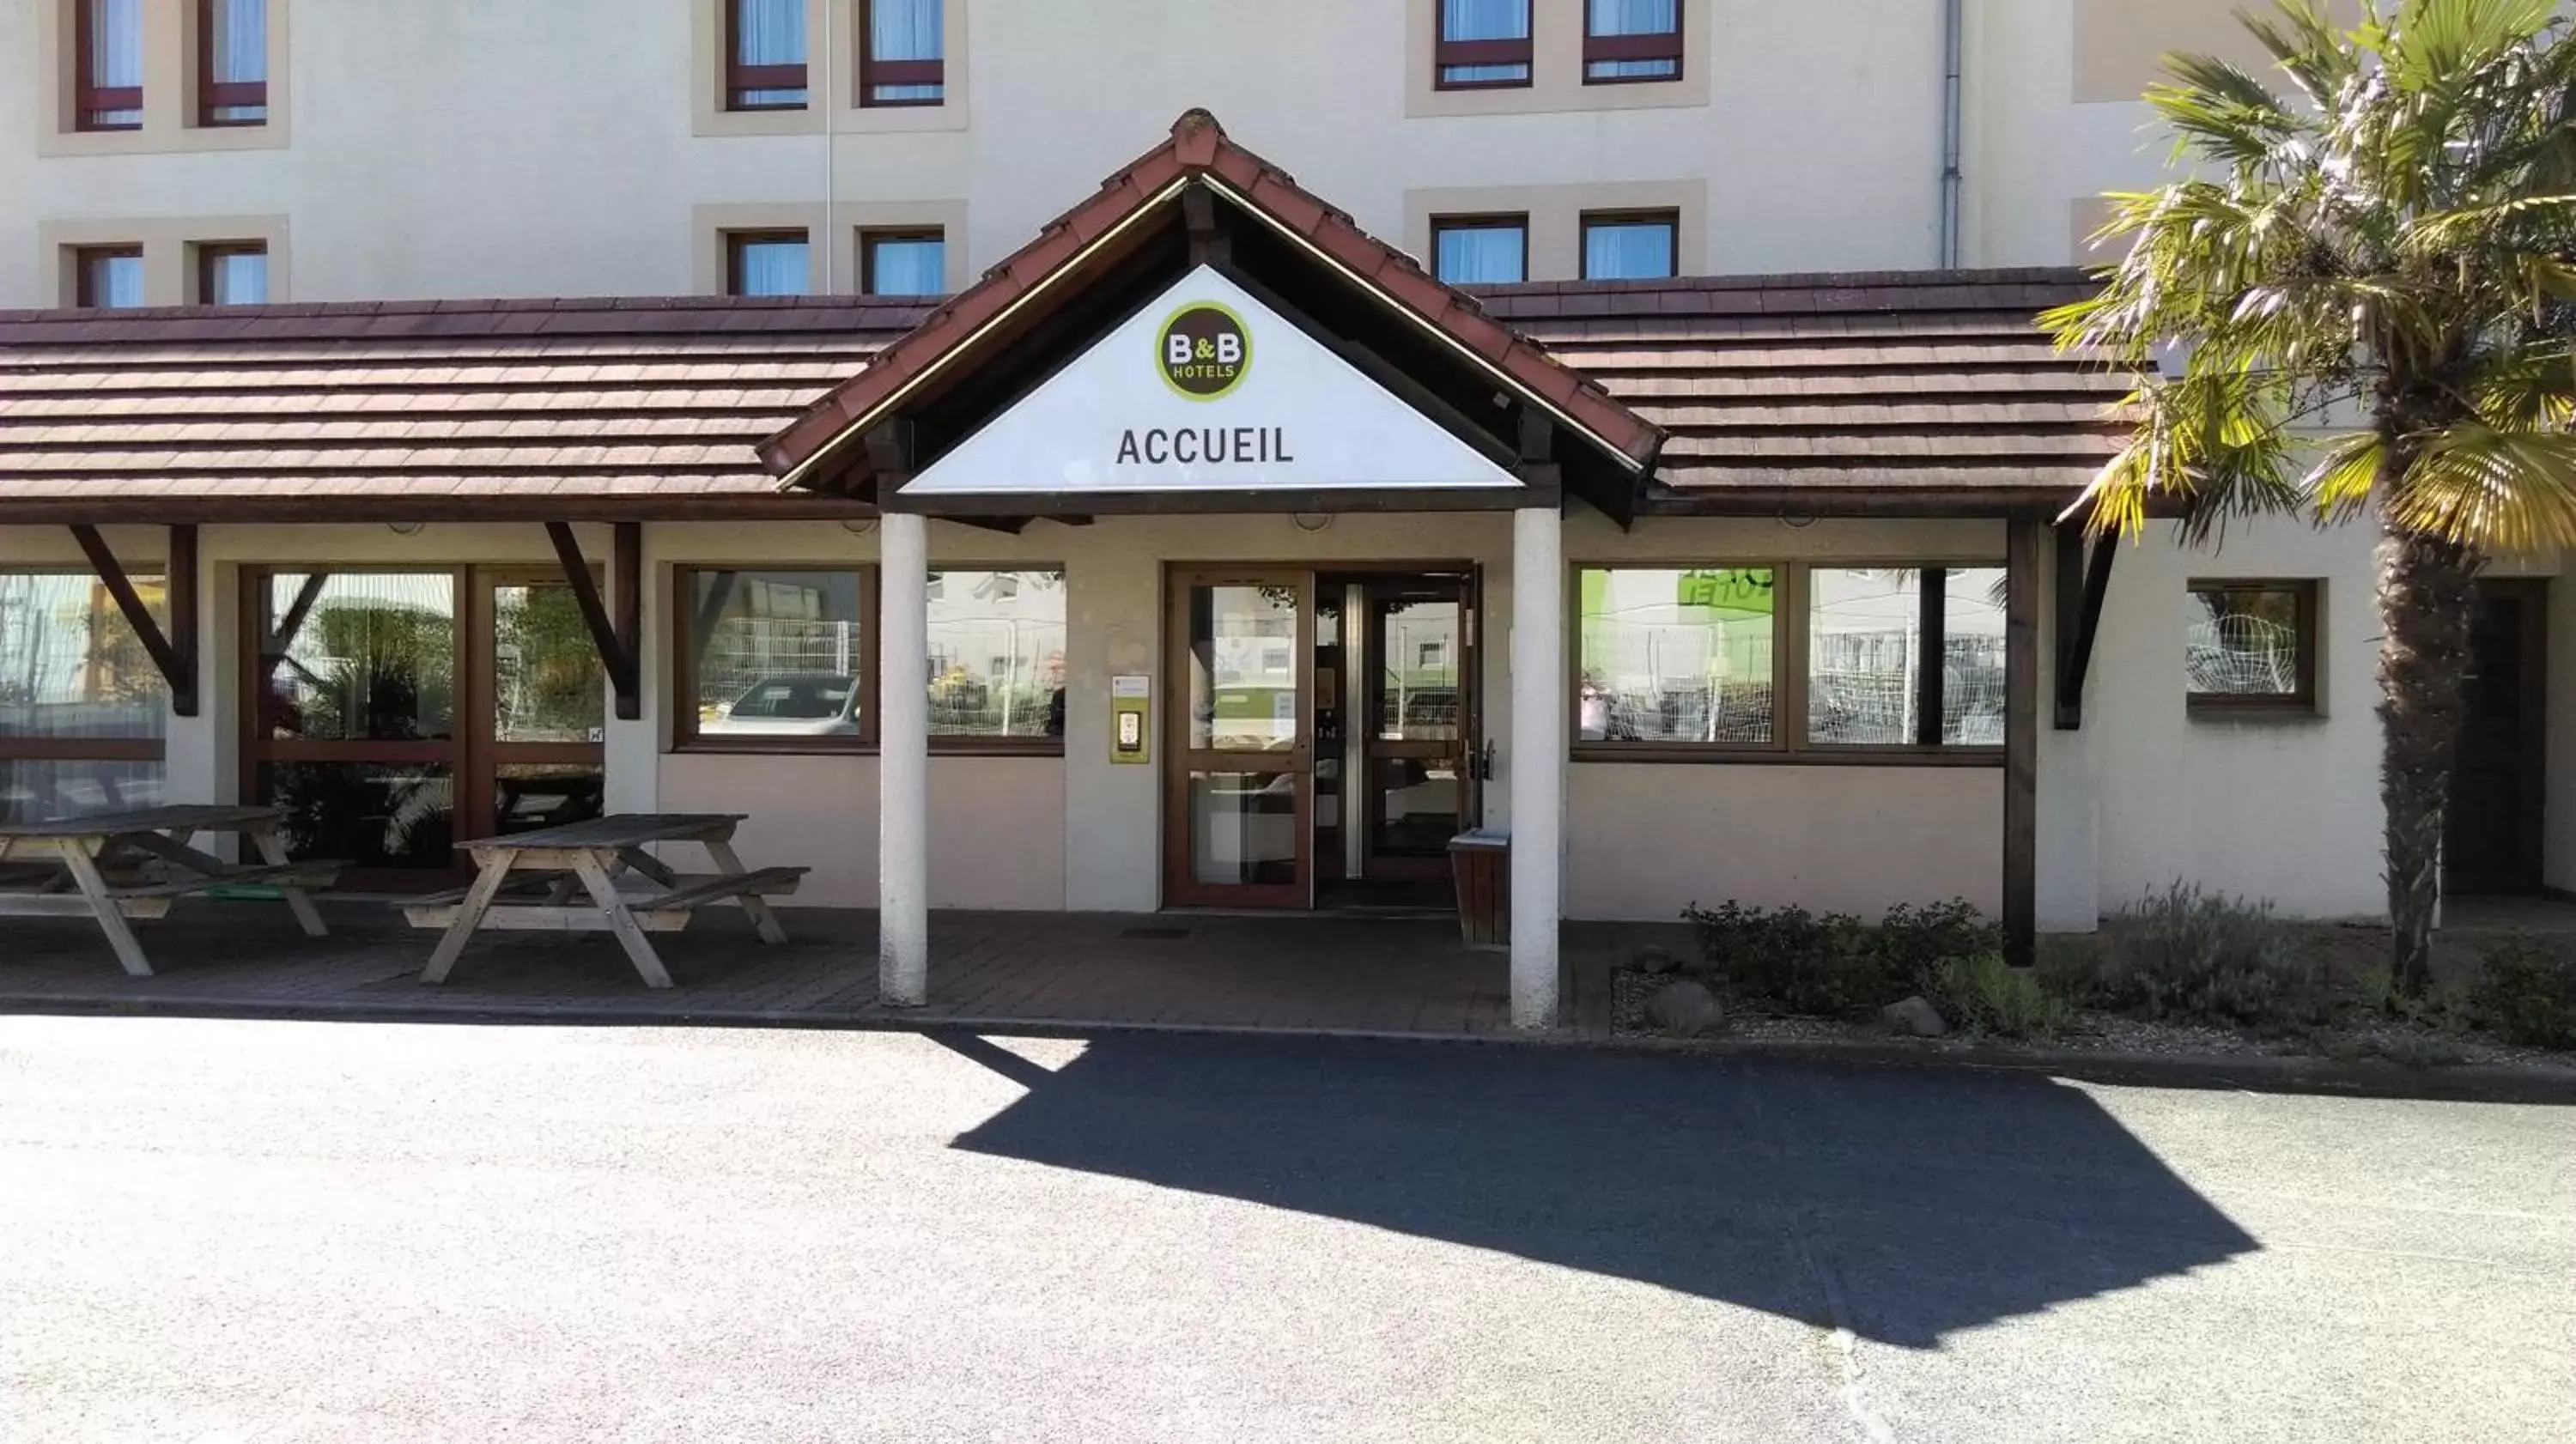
775,653
361,656
997,654
905,265
1676,655
1972,657
35,789
236,41
1418,655
1638,248
373,814
1244,666
1470,253
547,682
1863,653
905,34
2244,641
1243,827
768,55
70,667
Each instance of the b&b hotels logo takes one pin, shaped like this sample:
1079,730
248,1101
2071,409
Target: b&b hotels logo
1206,351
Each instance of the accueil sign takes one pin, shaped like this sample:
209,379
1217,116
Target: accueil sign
1207,389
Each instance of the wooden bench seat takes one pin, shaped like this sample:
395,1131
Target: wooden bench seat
759,882
291,874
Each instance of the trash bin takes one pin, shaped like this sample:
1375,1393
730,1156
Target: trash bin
1480,861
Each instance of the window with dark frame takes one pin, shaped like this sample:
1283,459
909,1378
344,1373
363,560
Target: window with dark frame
232,62
767,263
107,278
765,55
1481,45
83,720
1480,250
903,49
997,658
107,64
2252,646
911,262
1804,660
232,273
1631,246
775,659
1627,41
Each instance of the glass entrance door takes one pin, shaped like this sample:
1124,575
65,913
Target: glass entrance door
1240,785
541,697
1417,775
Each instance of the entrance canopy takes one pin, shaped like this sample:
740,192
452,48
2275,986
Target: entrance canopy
1204,335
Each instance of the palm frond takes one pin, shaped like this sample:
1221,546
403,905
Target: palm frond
2495,492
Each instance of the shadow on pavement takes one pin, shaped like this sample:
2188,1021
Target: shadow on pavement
1902,1204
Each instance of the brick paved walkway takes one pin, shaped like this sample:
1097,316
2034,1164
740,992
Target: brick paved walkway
1294,972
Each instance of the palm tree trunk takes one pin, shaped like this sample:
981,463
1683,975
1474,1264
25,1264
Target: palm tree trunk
2426,589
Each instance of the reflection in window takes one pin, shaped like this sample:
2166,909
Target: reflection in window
1867,654
547,681
2249,642
362,657
1676,655
775,653
997,654
1243,668
72,672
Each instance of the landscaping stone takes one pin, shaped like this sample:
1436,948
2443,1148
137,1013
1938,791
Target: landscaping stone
1685,1009
1655,958
1915,1016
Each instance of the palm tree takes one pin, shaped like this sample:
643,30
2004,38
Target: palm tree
2361,298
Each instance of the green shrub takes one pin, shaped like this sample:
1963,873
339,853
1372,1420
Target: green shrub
1981,993
1833,964
1915,940
2211,958
2528,995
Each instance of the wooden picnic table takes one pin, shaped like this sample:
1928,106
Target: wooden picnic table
107,859
632,893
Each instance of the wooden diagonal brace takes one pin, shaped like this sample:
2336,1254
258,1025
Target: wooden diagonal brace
174,653
615,641
2082,586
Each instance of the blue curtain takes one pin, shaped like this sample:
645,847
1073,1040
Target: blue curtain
237,278
772,268
907,266
1628,251
115,54
1632,17
906,30
237,45
771,32
1484,20
1480,255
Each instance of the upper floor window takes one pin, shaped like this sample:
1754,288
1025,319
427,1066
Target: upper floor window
109,65
1483,44
766,263
232,274
1627,247
232,62
903,263
1627,40
2252,645
902,52
107,277
764,54
1480,250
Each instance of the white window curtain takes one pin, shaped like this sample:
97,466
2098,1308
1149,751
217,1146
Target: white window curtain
115,282
237,278
770,32
1480,255
1631,17
1484,20
1628,251
116,54
773,268
910,266
907,30
237,52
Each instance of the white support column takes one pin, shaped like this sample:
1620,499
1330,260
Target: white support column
903,764
1537,761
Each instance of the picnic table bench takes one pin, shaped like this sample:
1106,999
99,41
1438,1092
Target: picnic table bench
116,866
632,893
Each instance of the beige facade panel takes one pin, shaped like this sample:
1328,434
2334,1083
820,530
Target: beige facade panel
169,252
2118,42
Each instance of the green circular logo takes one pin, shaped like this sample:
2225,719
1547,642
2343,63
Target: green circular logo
1204,350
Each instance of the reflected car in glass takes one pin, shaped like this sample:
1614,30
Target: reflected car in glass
790,704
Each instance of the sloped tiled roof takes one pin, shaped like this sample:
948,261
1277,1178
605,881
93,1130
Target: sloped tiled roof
1901,388
1922,383
1200,149
553,408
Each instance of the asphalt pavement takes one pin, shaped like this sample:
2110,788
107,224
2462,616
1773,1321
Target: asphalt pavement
282,1231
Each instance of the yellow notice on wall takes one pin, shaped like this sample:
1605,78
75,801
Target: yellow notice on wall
1131,712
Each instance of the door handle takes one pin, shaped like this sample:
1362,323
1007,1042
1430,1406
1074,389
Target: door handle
1483,762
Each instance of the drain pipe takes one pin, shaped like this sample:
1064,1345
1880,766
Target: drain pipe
1953,106
828,98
